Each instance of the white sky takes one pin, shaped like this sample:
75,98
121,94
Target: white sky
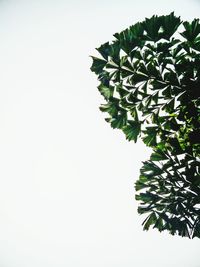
67,178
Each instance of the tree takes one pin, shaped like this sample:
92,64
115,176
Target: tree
150,80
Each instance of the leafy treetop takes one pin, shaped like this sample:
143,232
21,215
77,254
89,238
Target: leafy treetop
150,80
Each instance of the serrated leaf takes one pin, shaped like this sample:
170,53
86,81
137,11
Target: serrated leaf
159,224
192,30
104,50
150,140
151,220
110,107
119,121
158,156
152,27
132,130
98,65
106,91
169,106
170,24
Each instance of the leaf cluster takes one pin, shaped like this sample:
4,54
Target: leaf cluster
150,80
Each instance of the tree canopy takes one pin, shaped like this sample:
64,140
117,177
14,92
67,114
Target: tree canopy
150,79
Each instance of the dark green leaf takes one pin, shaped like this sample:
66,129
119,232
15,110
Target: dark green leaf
107,92
132,130
151,220
98,65
158,155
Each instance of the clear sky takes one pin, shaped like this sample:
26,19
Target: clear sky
67,178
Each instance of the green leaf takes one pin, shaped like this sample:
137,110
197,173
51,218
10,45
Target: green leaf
111,108
112,65
196,232
152,70
119,121
150,139
150,168
152,26
127,40
104,50
106,91
158,155
192,30
169,106
143,178
170,24
151,220
167,92
137,30
98,65
175,145
132,130
159,224
139,185
142,210
138,77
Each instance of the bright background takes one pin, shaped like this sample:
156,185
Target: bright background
66,178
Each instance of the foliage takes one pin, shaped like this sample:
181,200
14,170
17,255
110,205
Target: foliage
150,79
